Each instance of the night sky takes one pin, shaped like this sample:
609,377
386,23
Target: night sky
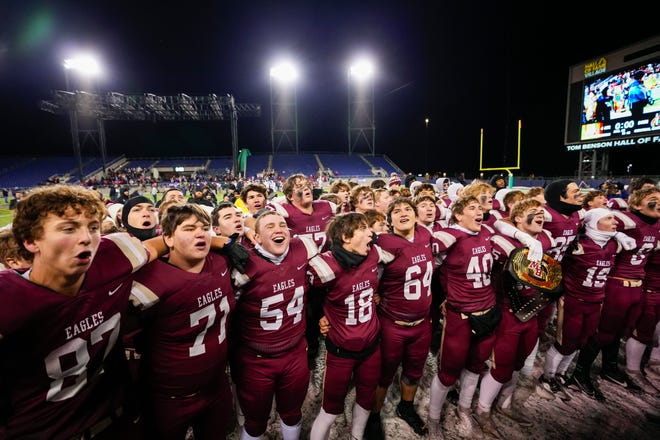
463,65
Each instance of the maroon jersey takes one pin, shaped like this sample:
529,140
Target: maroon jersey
499,215
502,248
246,242
489,219
586,268
652,279
617,203
59,354
405,282
563,230
436,245
271,299
438,213
465,272
631,264
185,317
348,305
307,225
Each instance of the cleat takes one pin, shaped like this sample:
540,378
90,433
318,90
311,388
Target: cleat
487,424
374,428
562,379
620,378
584,384
410,416
435,429
614,375
553,386
467,426
516,416
638,379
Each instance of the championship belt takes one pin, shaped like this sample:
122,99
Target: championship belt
544,276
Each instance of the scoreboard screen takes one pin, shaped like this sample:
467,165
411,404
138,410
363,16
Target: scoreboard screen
614,100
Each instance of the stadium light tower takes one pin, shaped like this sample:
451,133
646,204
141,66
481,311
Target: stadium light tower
88,70
283,106
85,64
361,120
426,145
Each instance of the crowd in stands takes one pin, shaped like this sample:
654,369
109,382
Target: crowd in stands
168,311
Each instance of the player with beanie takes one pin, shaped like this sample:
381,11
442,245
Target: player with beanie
395,180
139,217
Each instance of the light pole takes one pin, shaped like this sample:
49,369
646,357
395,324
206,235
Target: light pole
88,67
426,145
283,105
361,108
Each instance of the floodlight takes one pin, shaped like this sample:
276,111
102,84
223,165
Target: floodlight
362,69
285,72
84,64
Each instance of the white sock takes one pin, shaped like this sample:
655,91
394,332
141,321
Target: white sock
528,369
246,436
360,416
290,432
655,355
506,395
321,426
566,362
437,398
469,381
634,353
552,360
240,417
488,391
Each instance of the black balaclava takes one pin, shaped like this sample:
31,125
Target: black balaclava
553,193
347,259
140,234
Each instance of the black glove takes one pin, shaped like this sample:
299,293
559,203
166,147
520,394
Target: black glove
237,253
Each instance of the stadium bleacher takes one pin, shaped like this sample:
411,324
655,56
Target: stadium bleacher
385,163
37,170
257,163
288,164
141,163
25,172
344,165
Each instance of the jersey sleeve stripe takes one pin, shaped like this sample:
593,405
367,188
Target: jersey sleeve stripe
278,209
240,279
384,256
311,247
627,222
322,269
505,244
132,248
446,239
142,297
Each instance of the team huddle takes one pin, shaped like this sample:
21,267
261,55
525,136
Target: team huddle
187,319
